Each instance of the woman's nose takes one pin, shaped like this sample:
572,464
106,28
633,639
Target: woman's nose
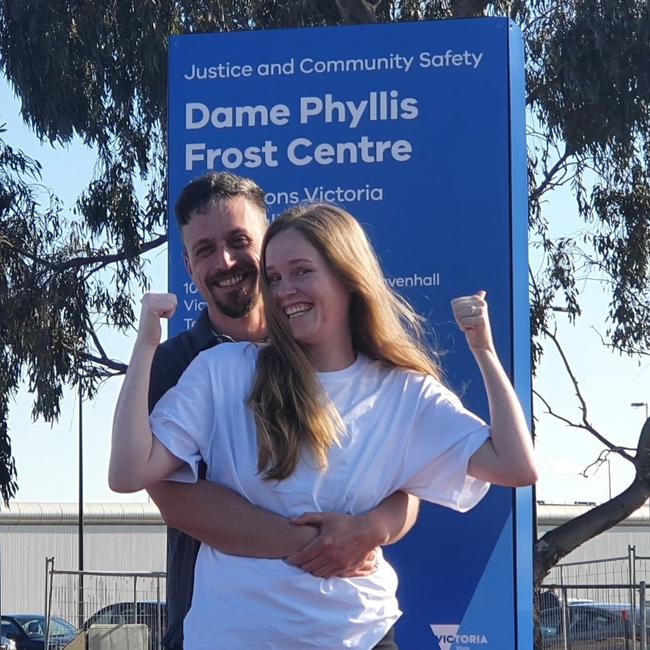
285,288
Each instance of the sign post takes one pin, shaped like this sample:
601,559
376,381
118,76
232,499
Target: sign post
418,130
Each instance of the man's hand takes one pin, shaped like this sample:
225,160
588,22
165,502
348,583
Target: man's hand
345,547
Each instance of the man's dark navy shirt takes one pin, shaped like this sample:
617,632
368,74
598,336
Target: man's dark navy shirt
170,361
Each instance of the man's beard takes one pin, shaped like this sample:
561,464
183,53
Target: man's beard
240,301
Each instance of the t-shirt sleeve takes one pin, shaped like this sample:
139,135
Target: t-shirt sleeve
446,436
183,419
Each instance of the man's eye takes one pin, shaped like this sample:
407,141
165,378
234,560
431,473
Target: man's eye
202,252
240,242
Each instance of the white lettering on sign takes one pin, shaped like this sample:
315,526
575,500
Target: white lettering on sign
302,151
447,635
450,59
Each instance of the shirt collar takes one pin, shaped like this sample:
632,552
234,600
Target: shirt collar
203,335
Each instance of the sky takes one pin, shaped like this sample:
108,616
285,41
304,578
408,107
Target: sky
47,456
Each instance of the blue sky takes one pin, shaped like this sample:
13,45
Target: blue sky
47,456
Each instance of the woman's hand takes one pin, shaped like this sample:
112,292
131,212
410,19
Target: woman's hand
154,307
471,314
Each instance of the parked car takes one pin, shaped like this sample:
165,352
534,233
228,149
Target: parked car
590,627
625,610
27,631
151,613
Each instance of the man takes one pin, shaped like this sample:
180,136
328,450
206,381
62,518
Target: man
222,218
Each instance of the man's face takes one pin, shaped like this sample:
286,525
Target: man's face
222,254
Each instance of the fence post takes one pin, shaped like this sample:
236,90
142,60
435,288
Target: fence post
642,617
135,599
159,615
565,618
47,572
48,597
632,574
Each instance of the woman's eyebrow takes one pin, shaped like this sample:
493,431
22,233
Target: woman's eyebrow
293,260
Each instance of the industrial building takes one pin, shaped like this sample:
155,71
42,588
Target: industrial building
131,538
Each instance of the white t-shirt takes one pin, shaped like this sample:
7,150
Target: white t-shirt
403,431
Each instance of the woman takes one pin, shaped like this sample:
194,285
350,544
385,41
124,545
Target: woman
342,407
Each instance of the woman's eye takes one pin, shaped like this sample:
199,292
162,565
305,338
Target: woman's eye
302,272
273,279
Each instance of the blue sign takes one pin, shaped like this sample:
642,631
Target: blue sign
418,130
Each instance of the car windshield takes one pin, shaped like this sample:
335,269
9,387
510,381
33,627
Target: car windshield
32,626
35,626
59,627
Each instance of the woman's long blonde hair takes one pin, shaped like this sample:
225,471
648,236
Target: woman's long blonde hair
291,411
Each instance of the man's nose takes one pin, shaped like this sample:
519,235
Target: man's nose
224,259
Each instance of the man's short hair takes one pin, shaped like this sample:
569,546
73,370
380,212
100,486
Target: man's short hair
201,194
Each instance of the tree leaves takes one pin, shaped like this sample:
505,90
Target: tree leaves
98,70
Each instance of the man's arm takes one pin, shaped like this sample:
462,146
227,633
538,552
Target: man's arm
324,544
226,521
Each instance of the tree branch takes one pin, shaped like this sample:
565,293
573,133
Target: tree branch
117,366
78,262
586,425
540,189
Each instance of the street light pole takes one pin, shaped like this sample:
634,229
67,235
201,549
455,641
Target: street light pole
80,612
637,405
609,477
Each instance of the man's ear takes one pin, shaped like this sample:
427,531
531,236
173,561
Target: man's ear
186,262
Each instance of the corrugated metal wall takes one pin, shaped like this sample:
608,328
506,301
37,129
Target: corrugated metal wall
136,544
132,538
634,531
613,543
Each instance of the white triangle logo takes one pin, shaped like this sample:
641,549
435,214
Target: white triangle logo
445,635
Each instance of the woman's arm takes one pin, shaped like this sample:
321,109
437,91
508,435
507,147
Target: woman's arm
138,459
507,458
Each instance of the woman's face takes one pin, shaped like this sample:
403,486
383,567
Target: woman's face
309,293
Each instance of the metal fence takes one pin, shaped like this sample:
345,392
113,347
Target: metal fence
630,568
86,598
597,604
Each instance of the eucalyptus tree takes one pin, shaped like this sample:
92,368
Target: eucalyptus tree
97,70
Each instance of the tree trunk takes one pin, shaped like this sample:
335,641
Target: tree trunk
559,542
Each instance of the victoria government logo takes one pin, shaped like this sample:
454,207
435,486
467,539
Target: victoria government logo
448,638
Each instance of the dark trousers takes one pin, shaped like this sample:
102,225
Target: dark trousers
388,642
